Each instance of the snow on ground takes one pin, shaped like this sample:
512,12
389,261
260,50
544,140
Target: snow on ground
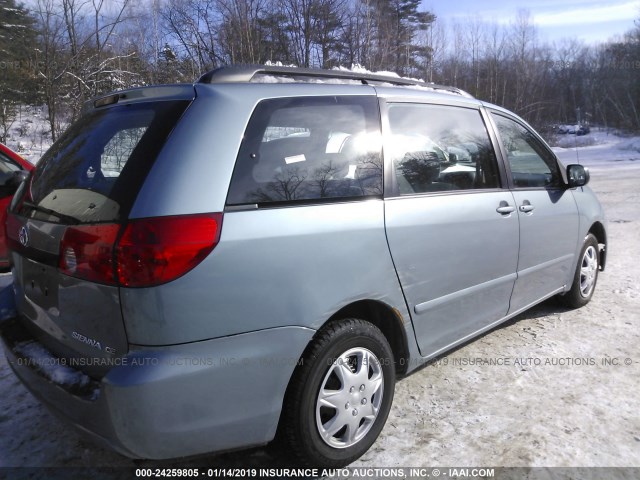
30,134
598,149
553,387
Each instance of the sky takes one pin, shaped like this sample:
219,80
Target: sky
592,21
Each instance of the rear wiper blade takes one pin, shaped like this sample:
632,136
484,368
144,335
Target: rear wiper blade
65,218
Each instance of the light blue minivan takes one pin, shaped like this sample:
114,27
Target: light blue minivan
200,267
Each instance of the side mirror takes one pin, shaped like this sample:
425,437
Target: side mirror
10,181
577,176
19,177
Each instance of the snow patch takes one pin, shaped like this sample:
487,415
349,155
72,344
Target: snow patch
284,79
49,366
355,68
269,63
30,132
633,145
600,148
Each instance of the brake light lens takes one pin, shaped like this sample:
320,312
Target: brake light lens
143,253
87,252
157,250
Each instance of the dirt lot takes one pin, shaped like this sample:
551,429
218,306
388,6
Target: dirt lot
565,394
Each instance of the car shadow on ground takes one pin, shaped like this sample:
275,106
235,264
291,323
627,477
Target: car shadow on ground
551,306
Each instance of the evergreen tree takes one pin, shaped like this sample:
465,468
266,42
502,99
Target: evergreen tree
17,40
397,24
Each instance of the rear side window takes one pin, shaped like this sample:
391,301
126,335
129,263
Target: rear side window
308,149
438,148
94,171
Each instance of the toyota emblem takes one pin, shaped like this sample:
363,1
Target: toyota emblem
23,235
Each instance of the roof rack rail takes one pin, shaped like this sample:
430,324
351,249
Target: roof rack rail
245,73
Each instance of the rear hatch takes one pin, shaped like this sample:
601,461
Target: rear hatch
65,220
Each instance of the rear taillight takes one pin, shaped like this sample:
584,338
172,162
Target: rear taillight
87,252
157,250
143,253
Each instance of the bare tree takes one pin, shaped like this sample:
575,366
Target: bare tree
522,43
475,40
312,27
494,59
50,59
434,42
192,26
240,29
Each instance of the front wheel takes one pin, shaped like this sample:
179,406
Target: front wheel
586,275
339,397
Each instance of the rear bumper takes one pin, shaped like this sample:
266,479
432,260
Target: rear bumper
173,401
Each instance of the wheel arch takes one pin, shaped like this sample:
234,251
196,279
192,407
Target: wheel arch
387,319
384,317
597,229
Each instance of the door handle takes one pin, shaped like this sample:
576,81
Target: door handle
505,209
526,207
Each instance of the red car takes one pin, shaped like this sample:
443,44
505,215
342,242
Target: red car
13,169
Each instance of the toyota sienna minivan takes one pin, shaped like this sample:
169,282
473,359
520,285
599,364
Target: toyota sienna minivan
199,267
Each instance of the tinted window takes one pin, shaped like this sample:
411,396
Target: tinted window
308,149
437,148
532,164
94,171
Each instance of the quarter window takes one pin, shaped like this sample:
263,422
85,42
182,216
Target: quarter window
304,149
532,164
438,148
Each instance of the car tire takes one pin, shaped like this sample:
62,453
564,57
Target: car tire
586,275
339,396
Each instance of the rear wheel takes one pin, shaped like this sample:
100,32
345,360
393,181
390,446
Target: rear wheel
339,398
586,275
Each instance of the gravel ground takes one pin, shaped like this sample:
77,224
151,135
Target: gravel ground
565,393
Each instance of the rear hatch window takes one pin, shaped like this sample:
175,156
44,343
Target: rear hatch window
94,171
